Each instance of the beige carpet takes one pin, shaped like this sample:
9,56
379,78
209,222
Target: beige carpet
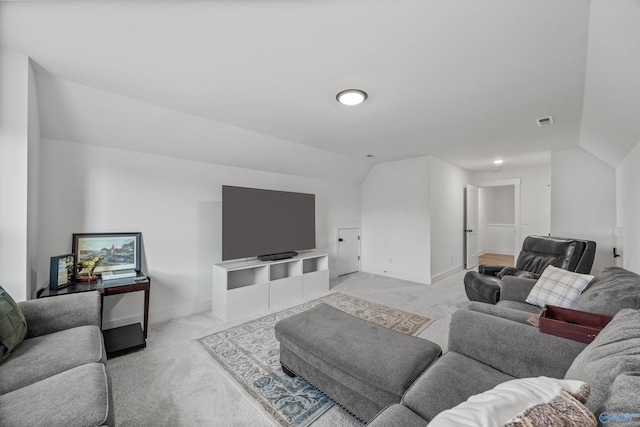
172,383
249,355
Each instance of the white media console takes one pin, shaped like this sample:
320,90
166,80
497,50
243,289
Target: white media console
247,287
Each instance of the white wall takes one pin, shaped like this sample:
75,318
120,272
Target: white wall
628,212
395,220
14,142
502,210
175,203
535,197
446,207
496,216
583,201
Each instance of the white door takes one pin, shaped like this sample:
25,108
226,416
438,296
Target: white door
471,226
348,258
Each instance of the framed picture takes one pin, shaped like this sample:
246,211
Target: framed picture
62,271
111,251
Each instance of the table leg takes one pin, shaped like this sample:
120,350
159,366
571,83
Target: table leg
146,311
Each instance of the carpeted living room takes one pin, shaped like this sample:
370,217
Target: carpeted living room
390,213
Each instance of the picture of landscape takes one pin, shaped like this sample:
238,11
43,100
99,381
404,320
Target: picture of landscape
118,251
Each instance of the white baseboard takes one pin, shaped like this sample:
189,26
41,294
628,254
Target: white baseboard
397,275
161,315
445,274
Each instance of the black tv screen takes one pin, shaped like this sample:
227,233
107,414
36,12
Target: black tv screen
258,222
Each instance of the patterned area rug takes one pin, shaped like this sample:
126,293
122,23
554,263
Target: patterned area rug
250,354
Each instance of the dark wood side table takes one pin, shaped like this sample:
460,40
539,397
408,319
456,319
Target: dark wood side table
124,339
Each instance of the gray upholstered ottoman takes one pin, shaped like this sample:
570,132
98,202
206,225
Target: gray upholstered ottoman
360,366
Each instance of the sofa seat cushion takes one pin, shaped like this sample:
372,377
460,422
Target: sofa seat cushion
40,357
77,397
451,380
610,291
397,416
615,351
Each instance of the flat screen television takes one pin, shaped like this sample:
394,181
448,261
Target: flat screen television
267,224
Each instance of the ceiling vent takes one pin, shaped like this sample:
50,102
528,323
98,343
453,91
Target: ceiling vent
544,121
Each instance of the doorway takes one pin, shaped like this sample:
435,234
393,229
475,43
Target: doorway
499,219
348,252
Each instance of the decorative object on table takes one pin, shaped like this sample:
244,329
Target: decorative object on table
119,251
249,355
62,271
118,274
90,265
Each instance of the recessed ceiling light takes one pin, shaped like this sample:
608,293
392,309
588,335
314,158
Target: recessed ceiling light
498,162
351,97
370,155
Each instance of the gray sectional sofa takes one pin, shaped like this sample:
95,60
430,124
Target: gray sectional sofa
488,346
610,291
57,376
486,350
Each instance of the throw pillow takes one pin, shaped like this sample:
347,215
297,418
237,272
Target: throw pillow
512,271
13,326
519,398
558,287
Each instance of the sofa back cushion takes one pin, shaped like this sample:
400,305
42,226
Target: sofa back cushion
538,252
13,326
616,350
610,291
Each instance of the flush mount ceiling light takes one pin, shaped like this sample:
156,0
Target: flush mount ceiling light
498,162
351,97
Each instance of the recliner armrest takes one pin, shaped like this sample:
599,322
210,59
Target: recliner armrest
517,349
516,288
53,314
491,270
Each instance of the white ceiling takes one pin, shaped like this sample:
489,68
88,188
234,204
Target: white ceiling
460,79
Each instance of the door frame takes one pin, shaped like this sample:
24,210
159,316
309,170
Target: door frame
336,251
517,244
467,231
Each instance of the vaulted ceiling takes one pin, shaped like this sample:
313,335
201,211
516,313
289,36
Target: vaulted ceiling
463,80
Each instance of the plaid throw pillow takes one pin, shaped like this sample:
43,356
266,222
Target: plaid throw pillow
558,287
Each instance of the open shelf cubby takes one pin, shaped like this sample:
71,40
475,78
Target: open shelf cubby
318,263
247,277
282,270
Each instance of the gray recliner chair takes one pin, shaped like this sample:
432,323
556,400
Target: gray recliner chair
538,252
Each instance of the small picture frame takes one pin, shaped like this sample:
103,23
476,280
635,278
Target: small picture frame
114,251
62,271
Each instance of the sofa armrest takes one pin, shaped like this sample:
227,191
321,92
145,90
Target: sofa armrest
511,347
504,312
491,270
516,288
53,314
